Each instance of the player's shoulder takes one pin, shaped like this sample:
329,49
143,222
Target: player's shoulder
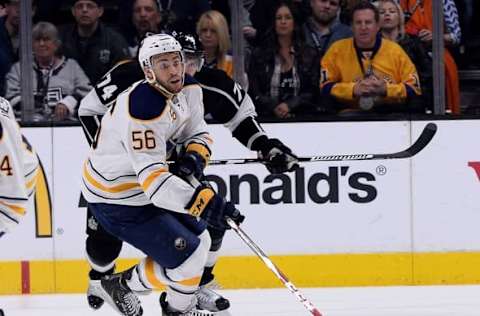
145,102
127,70
212,77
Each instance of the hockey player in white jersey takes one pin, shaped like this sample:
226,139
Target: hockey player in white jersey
18,170
135,197
227,103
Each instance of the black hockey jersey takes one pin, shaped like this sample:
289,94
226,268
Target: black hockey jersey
224,100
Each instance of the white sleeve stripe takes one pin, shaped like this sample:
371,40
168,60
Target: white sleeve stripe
219,91
253,138
161,184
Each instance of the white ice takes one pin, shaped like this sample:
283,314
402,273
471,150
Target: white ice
360,301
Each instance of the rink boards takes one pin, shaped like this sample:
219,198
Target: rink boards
411,221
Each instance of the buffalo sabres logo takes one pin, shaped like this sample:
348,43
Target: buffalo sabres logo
180,243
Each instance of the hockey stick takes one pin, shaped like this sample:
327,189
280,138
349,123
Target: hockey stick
422,141
268,262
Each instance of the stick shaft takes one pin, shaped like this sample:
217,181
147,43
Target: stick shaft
269,263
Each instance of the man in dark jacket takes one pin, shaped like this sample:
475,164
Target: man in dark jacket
95,46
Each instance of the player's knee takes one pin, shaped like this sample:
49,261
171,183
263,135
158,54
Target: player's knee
102,252
193,266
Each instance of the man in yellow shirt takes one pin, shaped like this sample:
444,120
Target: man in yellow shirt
367,73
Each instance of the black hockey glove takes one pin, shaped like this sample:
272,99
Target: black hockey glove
278,157
191,164
216,211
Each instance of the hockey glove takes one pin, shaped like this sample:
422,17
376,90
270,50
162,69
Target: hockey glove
278,157
191,164
216,211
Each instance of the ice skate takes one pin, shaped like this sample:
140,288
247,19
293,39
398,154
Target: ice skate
208,299
193,311
115,291
93,294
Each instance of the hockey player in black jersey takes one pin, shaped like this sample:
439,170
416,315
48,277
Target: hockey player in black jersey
227,103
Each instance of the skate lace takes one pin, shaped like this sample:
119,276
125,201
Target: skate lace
197,312
130,303
205,295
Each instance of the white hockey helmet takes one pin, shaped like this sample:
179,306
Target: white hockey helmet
157,44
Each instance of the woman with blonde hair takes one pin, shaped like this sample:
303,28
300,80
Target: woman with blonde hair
212,30
392,27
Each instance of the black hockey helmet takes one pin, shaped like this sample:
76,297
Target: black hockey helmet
190,43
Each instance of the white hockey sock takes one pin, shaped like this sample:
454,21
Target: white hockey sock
135,283
180,301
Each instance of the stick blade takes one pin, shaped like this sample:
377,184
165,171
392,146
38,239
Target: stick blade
422,141
315,312
427,135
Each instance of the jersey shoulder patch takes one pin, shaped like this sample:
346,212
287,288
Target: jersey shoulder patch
189,80
145,103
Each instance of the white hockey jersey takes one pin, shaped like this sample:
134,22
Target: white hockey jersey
127,164
18,170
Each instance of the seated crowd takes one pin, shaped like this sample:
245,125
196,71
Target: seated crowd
303,58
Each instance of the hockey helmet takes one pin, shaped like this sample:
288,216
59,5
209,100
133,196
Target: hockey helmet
157,44
192,48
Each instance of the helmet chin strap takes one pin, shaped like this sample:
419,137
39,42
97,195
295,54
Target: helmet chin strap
152,80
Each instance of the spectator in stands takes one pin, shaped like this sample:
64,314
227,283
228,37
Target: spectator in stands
421,24
323,27
367,74
9,37
178,15
146,17
212,30
283,72
392,26
95,46
59,82
3,9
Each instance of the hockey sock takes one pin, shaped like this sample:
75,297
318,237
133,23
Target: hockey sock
135,282
97,275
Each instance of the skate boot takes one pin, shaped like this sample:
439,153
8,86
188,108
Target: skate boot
116,292
95,288
93,294
1,312
194,311
208,299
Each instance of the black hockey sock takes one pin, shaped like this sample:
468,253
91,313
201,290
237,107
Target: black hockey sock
96,275
207,276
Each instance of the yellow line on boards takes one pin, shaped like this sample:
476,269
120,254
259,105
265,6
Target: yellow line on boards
70,276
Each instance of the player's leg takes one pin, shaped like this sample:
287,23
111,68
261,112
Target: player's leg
208,298
177,246
102,249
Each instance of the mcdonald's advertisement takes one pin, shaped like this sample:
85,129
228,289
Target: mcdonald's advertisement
428,203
